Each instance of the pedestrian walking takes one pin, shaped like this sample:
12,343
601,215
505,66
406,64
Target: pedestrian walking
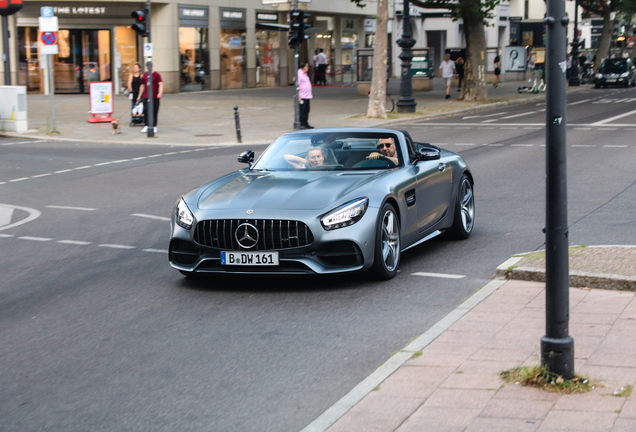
446,71
134,82
304,95
157,91
315,63
497,62
459,67
322,68
568,60
532,60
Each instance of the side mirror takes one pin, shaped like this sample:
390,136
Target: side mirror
247,157
428,153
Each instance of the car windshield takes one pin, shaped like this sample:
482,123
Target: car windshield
618,64
332,151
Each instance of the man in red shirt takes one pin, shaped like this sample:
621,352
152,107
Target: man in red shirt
157,91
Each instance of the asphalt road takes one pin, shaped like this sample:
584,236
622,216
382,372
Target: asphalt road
98,333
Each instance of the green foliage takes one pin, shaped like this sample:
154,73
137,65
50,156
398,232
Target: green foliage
463,8
540,377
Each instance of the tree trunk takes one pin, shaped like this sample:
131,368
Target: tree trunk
606,38
377,98
474,86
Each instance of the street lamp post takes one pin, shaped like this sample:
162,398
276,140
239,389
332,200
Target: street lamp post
557,346
407,103
574,78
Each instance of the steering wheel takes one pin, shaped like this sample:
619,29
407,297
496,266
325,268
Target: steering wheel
388,161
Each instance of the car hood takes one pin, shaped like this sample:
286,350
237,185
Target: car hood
613,70
286,190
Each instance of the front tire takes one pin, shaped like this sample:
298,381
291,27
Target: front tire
464,218
387,244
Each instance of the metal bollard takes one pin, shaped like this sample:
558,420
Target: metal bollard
238,124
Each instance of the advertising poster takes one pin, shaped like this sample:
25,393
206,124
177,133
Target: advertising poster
101,97
515,59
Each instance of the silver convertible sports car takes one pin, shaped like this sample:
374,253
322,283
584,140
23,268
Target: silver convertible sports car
324,201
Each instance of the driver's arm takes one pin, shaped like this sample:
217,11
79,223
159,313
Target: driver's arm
376,155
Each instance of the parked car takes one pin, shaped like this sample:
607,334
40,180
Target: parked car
616,71
324,201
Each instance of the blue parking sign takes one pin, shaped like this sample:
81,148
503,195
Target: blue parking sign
46,11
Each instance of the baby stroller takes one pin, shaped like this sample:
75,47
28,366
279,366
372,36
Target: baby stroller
137,114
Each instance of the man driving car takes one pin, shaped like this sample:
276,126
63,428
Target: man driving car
387,149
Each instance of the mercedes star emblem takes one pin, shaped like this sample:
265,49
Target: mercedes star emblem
250,211
246,235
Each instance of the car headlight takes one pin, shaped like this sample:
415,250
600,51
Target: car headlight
624,74
599,76
183,215
345,215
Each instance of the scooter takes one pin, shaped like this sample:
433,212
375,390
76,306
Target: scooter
536,88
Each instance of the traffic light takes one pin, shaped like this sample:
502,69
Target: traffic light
9,7
140,25
295,27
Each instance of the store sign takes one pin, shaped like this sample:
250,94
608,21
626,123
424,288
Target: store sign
232,18
193,16
101,97
266,17
194,13
79,10
233,15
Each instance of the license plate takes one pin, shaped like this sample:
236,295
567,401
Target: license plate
611,80
249,258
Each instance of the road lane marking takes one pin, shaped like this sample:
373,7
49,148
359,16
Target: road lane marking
71,208
75,242
83,167
6,235
464,144
161,218
496,145
602,122
583,145
510,128
120,161
62,171
6,213
42,239
154,156
116,246
519,115
18,179
580,102
581,128
481,116
139,158
41,175
487,121
23,142
439,275
607,129
33,214
522,145
155,250
616,146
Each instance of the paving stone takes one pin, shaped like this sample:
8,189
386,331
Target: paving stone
481,424
604,301
438,347
431,374
601,358
528,322
499,306
593,318
460,398
623,324
517,409
486,366
473,381
530,343
589,329
376,414
485,327
629,410
438,359
469,339
488,316
496,354
585,346
435,419
620,342
624,425
578,421
625,375
595,401
399,387
515,391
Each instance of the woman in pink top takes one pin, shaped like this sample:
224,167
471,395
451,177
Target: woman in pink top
304,95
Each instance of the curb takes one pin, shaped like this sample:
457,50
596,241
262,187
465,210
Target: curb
509,271
340,408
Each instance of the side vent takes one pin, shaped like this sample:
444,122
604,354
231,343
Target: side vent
409,195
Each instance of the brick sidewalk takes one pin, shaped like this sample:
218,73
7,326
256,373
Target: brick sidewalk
453,384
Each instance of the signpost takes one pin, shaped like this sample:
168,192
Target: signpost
7,7
48,46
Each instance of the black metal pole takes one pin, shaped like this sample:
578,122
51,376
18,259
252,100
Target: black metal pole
574,76
237,123
407,103
6,53
150,114
557,347
296,91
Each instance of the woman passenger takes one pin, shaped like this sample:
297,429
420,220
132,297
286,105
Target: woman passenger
312,159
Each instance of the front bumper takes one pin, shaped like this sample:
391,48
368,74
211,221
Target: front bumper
342,250
611,81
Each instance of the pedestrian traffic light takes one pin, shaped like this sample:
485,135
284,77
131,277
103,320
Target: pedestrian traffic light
140,25
9,7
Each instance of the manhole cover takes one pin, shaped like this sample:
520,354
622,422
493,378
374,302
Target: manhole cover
208,135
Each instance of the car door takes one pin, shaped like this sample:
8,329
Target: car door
433,191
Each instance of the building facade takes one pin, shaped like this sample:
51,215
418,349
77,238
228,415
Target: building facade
197,44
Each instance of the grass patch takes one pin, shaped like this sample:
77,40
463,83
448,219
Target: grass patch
416,354
625,391
539,377
536,255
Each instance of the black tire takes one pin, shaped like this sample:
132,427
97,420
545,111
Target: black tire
596,85
386,258
464,217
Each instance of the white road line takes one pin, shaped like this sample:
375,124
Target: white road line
481,116
71,208
23,142
120,161
82,167
607,129
1,183
616,146
140,158
519,115
41,175
630,129
62,171
510,128
496,145
6,214
487,121
155,155
75,242
541,103
41,239
116,246
33,214
162,218
464,144
168,154
18,179
439,275
439,144
583,145
155,250
6,235
185,151
541,110
102,164
580,128
522,145
602,122
580,102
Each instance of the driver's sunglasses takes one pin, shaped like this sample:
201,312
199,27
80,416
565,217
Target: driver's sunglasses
387,145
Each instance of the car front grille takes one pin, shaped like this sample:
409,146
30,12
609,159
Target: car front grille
273,234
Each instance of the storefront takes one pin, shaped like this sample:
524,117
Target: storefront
94,43
233,49
194,51
268,53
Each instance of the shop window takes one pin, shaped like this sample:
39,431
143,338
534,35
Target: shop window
233,59
28,61
126,45
267,58
194,59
